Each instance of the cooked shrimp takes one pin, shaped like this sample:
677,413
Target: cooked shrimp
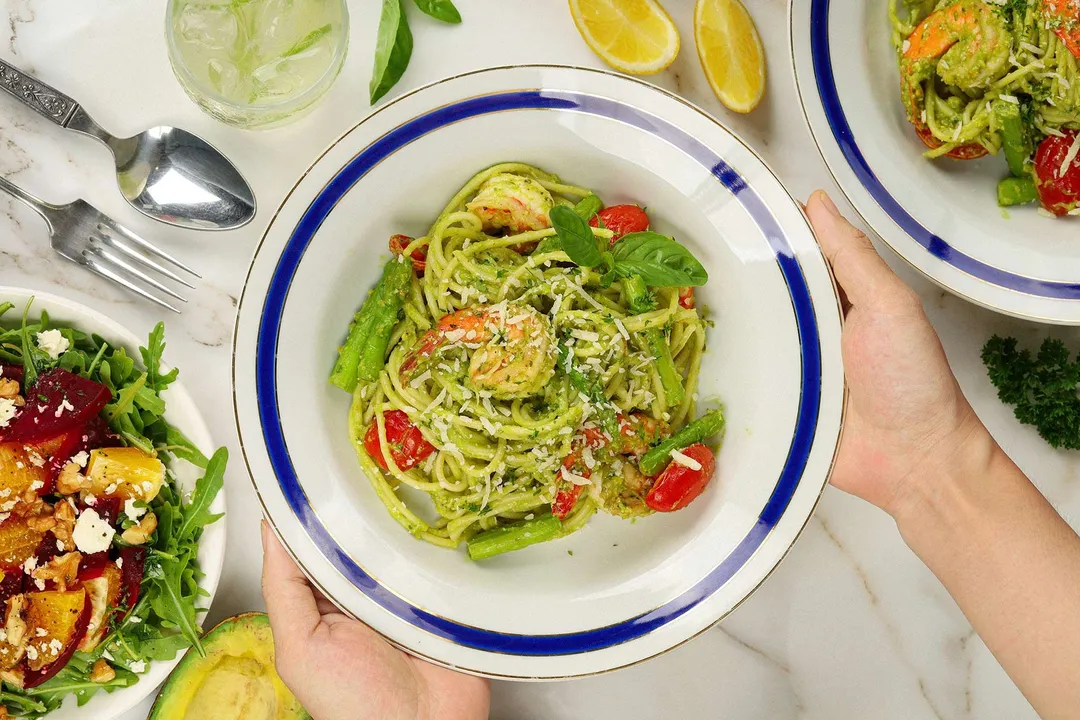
967,45
513,202
513,348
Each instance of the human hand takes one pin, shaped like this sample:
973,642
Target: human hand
907,419
340,669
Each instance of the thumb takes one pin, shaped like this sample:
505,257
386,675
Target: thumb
859,270
290,601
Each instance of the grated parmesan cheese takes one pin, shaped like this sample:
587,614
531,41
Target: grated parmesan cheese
1070,155
573,478
685,460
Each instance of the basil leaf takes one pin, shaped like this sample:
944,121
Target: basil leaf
589,206
393,49
440,10
609,269
576,236
659,260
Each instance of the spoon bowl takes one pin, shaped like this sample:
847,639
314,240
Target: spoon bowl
165,173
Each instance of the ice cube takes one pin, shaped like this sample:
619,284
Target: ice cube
208,26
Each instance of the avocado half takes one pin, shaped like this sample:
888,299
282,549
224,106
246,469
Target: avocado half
235,681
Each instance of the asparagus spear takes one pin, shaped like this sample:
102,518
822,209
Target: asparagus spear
1016,191
1015,140
513,537
655,459
641,300
363,354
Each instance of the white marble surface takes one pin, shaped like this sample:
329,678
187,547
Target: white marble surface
850,626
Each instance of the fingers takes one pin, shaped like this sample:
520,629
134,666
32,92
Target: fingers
290,602
861,273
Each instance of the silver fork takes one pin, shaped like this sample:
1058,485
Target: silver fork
88,237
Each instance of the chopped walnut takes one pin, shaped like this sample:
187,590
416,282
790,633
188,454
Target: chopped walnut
9,390
102,672
62,570
71,480
41,523
29,504
139,534
64,515
15,622
14,678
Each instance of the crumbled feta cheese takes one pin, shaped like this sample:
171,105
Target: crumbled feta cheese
30,565
52,343
64,405
685,460
110,489
55,646
135,620
133,512
31,653
7,411
35,459
37,485
137,667
41,632
80,458
39,584
92,534
90,499
119,564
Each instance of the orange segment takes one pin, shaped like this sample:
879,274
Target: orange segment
730,52
634,36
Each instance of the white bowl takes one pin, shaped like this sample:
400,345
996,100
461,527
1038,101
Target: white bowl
628,591
941,215
181,413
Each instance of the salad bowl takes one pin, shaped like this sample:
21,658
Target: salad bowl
182,414
614,593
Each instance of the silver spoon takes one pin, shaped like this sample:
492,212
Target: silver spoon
165,173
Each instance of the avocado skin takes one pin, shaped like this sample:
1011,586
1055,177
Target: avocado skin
235,681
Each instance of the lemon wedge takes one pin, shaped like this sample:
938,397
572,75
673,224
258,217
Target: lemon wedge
730,52
634,36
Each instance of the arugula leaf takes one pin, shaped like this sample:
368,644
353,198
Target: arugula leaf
29,370
196,512
151,357
125,399
659,260
440,10
393,49
182,448
576,236
1043,387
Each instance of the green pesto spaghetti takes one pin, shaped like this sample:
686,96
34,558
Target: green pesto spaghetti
981,77
521,359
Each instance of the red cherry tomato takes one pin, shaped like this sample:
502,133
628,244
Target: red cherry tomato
679,485
970,151
686,298
1069,27
398,243
621,220
408,447
1058,193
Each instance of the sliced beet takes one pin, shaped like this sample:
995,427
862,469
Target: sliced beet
12,372
107,508
93,566
95,434
60,401
11,585
35,678
46,549
131,576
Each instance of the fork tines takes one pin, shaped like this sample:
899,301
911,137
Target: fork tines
116,253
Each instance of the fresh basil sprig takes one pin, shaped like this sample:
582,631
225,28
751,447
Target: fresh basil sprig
393,49
656,258
440,10
394,43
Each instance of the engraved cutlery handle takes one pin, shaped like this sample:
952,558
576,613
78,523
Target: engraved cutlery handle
36,95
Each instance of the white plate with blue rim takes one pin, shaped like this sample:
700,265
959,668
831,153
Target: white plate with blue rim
939,215
182,413
614,593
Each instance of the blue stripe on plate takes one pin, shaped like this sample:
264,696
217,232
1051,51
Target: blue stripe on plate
935,245
269,410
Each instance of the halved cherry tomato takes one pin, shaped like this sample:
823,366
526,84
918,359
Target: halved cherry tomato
567,493
971,151
686,298
678,485
621,220
1069,28
565,499
398,243
408,447
1058,193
